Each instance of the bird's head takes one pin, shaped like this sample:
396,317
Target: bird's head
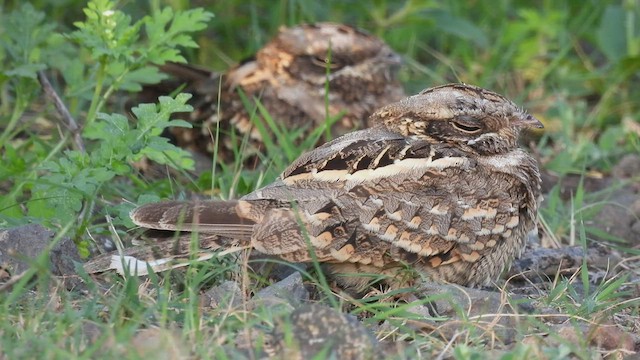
461,114
307,51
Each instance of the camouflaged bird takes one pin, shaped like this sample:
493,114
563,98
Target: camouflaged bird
437,184
306,74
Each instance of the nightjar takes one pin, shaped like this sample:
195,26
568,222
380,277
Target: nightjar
437,184
303,76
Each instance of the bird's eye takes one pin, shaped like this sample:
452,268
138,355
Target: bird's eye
466,128
325,62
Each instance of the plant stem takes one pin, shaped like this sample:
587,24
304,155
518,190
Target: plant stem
96,100
18,110
632,43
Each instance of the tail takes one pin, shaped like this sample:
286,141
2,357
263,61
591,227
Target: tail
174,226
211,217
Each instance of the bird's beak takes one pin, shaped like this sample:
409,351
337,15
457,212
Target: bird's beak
528,121
391,59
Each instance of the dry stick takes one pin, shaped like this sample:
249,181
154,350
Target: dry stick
68,120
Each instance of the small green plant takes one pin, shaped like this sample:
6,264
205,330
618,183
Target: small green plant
23,52
123,62
77,177
108,53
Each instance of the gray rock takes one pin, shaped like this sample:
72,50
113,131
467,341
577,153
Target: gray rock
227,294
272,268
461,308
620,214
474,302
544,263
290,290
318,331
21,246
627,168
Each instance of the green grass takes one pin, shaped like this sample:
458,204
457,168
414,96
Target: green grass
573,64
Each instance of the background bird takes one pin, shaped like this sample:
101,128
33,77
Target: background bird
438,184
304,76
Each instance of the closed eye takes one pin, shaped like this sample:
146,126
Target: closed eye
466,128
324,63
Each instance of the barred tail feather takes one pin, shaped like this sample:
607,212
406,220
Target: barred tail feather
212,217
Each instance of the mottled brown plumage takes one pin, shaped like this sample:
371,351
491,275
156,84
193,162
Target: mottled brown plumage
438,184
288,77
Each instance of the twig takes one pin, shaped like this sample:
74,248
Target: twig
12,281
64,113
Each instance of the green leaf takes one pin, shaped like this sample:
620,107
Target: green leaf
152,119
58,203
107,32
562,163
146,75
26,70
152,116
460,27
180,123
610,139
167,31
111,127
9,207
28,34
611,34
170,155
